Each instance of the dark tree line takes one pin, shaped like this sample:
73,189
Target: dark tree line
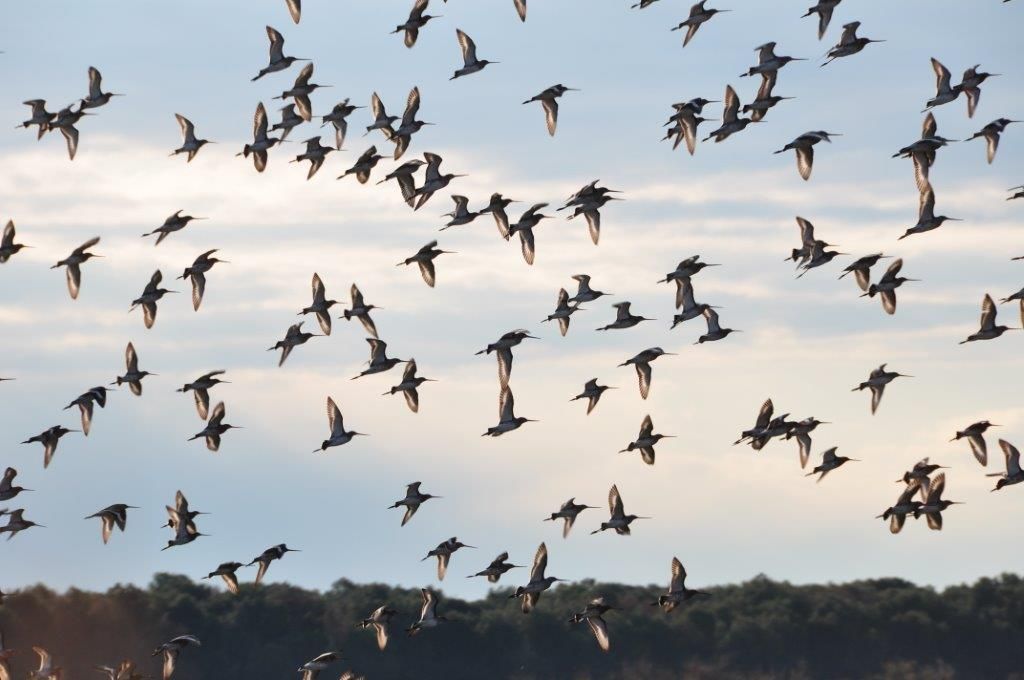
886,628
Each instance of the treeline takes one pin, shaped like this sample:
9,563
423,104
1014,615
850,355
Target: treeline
886,628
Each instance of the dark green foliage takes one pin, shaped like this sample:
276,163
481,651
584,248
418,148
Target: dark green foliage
883,629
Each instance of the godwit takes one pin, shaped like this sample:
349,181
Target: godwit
698,15
886,287
49,439
904,505
563,310
380,620
876,382
294,337
934,504
678,593
339,435
538,581
593,614
171,649
443,552
278,62
549,100
498,566
848,43
642,363
73,263
7,488
417,20
592,393
991,134
823,8
619,520
503,350
197,274
429,618
261,143
645,441
507,420
424,258
190,144
408,386
227,571
111,516
151,294
321,306
267,556
85,401
360,310
524,227
988,329
412,501
829,461
7,245
568,512
379,360
470,62
974,433
215,427
1013,474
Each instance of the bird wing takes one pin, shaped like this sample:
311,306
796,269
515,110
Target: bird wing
70,133
992,138
646,428
988,313
302,80
357,296
973,96
382,635
643,376
187,128
131,359
198,289
378,350
1012,456
764,415
711,316
259,121
929,127
295,9
412,106
410,371
506,404
804,441
468,47
527,244
600,631
615,506
504,355
678,581
8,237
217,416
334,418
550,114
805,161
428,272
893,271
520,8
540,563
935,488
806,232
731,107
276,45
319,292
942,75
876,397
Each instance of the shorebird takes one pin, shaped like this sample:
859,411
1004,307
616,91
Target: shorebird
267,556
111,516
498,566
65,121
412,501
584,293
311,669
46,670
7,488
829,461
803,255
934,504
470,63
300,91
215,427
180,513
294,9
887,286
817,257
944,92
568,512
765,99
379,620
336,423
848,43
409,126
227,571
876,382
16,522
765,427
381,120
927,220
974,433
151,294
379,361
731,121
190,144
685,122
802,432
767,61
861,269
443,553
433,180
921,471
549,100
563,310
991,134
403,175
363,166
988,329
1013,474
40,116
823,8
85,401
338,118
97,97
970,85
645,441
429,618
502,348
49,439
73,264
590,209
642,363
804,147
261,142
180,520
424,258
175,222
715,331
520,6
417,20
294,337
904,505
278,62
461,215
689,308
197,274
171,649
321,306
496,207
589,195
132,376
408,386
315,153
538,581
678,594
686,269
592,393
360,310
619,520
922,152
698,15
126,670
507,420
524,227
593,614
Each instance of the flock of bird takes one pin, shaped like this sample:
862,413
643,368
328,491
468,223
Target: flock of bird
924,485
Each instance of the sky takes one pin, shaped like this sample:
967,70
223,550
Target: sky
727,512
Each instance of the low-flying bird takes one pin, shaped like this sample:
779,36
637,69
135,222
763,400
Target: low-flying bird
988,330
829,461
624,318
73,263
538,581
1013,474
197,275
363,166
227,571
804,147
412,501
887,285
849,43
409,386
404,176
85,401
991,133
294,337
336,423
300,91
642,363
417,20
112,516
409,125
267,556
190,144
876,382
715,330
461,214
823,8
338,118
584,293
175,222
970,85
49,439
927,220
215,427
320,306
151,294
360,310
934,504
568,512
563,310
503,350
549,100
688,307
172,649
498,566
678,594
645,441
424,258
944,91
277,62
698,15
593,615
905,505
433,180
311,669
507,420
524,227
315,153
496,207
16,522
619,520
861,269
8,247
443,552
261,142
470,62
380,621
974,433
39,116
132,375
731,120
379,360
592,393
922,152
7,488
429,618
46,670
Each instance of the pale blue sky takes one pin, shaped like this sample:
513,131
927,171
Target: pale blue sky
726,512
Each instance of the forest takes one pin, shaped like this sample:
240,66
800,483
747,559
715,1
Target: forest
882,628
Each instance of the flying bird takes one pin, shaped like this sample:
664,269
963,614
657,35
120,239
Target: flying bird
311,669
429,618
300,91
412,501
678,594
8,247
619,520
988,330
315,153
991,133
409,386
338,118
876,382
417,20
363,166
215,427
645,441
923,151
592,393
267,556
974,433
549,100
887,285
731,121
538,581
698,15
320,306
563,310
642,363
85,401
151,294
823,8
896,514
112,516
424,258
503,350
172,649
804,148
461,214
294,337
524,227
849,43
197,274
380,621
433,180
944,91
443,552
339,435
568,513
190,144
970,85
471,64
360,310
278,62
227,572
498,566
409,126
934,504
261,143
7,488
73,263
379,360
507,420
16,522
1013,474
829,461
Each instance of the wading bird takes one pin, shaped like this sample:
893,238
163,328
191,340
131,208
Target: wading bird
623,317
409,126
905,505
227,571
380,621
698,15
944,92
151,294
970,85
315,153
339,435
443,552
16,522
563,310
73,262
215,427
49,439
927,220
300,91
39,116
176,222
360,310
988,329
200,388
503,350
8,247
887,285
861,269
433,180
111,516
974,433
619,520
538,581
823,8
267,556
584,293
190,144
876,382
379,360
429,618
197,275
294,337
277,62
320,306
1013,474
804,148
461,215
645,441
412,501
496,207
7,488
934,504
408,386
731,121
549,100
592,393
524,227
338,118
829,461
417,20
593,614
470,62
424,258
921,471
678,594
849,43
498,566
85,401
715,330
261,143
507,420
171,649
922,152
991,133
568,512
642,363
311,669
